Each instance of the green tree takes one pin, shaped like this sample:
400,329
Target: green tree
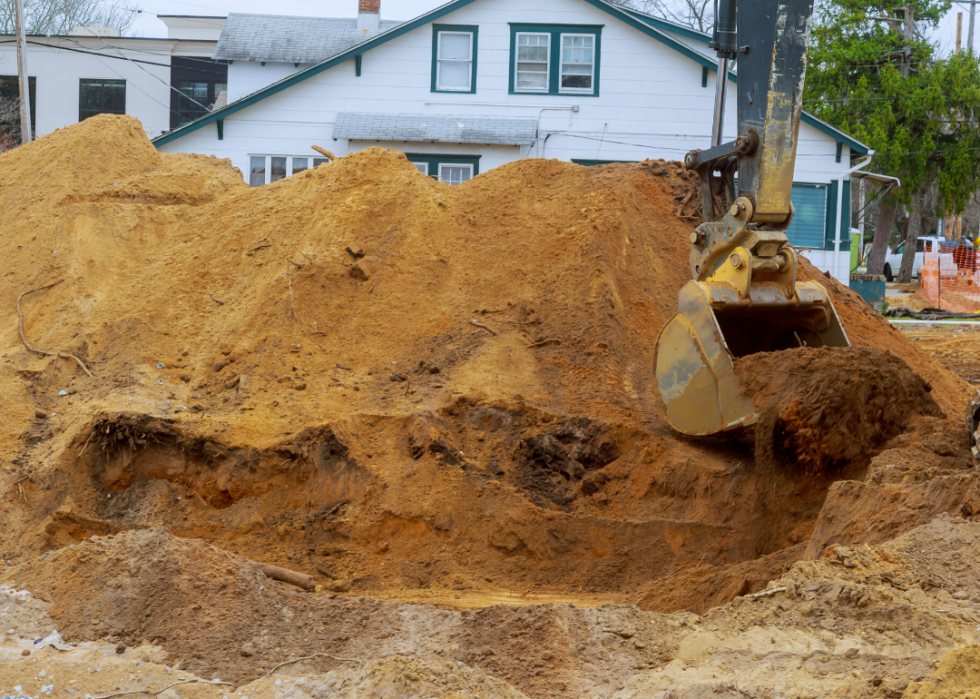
873,74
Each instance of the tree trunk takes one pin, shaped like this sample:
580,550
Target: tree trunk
883,233
911,240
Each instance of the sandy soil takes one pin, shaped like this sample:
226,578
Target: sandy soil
956,347
291,375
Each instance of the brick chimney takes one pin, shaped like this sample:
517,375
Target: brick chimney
368,15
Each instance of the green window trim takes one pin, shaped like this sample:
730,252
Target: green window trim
555,31
432,161
458,28
845,215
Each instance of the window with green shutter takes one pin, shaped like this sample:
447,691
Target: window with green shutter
810,218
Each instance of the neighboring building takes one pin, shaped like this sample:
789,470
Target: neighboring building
478,83
92,70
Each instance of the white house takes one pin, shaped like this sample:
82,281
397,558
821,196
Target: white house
163,82
477,83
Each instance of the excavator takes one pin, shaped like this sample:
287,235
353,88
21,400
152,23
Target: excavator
744,296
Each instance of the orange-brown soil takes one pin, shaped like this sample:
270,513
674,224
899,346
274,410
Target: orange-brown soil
291,374
828,409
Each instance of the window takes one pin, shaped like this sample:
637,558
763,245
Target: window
196,84
266,169
455,174
555,59
451,169
810,218
454,50
576,62
532,62
278,170
193,100
101,97
10,94
256,172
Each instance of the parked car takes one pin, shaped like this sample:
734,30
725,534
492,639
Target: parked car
893,260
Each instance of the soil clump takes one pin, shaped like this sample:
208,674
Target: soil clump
823,409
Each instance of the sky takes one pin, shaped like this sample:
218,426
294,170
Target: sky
148,25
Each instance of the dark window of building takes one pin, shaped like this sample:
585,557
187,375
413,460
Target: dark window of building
10,106
101,97
197,83
193,100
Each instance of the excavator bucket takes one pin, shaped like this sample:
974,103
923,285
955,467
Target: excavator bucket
696,351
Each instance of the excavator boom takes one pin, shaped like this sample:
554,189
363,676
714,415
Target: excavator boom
744,297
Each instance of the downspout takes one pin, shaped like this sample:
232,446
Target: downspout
840,205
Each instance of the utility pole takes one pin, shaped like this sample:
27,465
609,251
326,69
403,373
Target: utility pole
969,32
973,20
959,32
25,89
908,26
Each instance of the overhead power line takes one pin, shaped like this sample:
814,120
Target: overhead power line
103,55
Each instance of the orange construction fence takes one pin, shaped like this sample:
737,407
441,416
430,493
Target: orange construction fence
950,279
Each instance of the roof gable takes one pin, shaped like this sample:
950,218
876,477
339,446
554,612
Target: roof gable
634,19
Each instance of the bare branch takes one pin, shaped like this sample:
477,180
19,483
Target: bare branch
696,14
61,16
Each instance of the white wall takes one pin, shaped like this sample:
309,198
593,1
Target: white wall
245,77
193,28
650,96
58,73
839,265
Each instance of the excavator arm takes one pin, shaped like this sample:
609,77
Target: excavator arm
744,296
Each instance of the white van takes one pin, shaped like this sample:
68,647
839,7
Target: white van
893,260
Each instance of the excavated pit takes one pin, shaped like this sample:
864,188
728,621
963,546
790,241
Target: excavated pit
293,374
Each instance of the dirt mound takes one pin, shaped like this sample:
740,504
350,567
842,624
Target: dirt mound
97,152
822,409
216,616
957,677
292,373
864,621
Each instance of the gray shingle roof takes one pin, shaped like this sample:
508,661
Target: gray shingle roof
427,127
283,39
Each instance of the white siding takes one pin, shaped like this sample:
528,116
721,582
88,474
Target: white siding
61,64
245,77
651,102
